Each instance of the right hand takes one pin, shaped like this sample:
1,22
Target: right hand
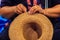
20,8
35,9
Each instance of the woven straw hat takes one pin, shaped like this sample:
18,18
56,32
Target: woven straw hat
31,27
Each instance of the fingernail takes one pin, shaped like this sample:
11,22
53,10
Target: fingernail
29,12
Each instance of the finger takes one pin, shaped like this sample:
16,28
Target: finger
38,9
34,9
19,12
19,7
31,11
23,8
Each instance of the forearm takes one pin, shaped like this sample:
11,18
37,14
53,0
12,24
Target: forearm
7,11
52,12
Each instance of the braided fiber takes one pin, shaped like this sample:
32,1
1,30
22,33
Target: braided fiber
31,27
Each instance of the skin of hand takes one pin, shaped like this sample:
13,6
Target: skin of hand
35,9
9,11
53,12
20,8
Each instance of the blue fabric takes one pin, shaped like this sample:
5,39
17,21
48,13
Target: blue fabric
56,35
3,21
3,29
4,34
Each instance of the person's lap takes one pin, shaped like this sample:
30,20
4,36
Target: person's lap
56,35
4,34
3,29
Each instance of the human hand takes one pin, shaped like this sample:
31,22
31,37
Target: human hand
35,9
20,8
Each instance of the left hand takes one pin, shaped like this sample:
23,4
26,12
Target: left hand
34,9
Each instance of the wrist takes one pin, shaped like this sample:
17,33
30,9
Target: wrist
14,9
45,12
